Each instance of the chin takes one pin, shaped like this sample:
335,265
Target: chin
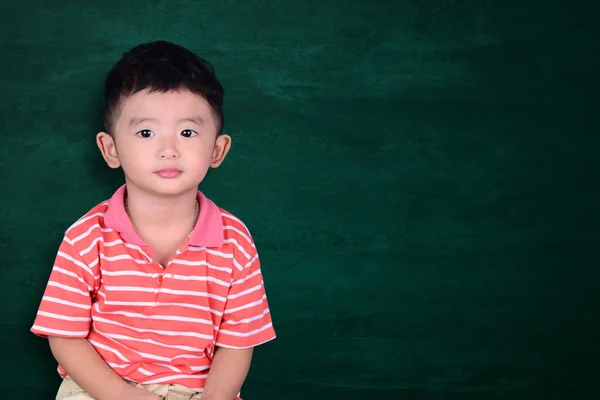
177,191
172,189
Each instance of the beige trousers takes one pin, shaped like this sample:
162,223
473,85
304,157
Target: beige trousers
69,390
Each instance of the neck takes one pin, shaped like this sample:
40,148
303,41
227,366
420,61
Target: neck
148,211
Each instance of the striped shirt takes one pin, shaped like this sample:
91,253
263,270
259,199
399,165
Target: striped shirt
155,324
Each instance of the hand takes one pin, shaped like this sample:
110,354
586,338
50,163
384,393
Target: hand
135,393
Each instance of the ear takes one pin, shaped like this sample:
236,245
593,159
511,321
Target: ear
106,144
222,146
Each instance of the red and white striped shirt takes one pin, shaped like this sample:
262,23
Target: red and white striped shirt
155,324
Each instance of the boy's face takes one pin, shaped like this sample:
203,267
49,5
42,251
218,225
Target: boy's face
165,142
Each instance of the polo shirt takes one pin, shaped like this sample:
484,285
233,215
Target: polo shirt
155,324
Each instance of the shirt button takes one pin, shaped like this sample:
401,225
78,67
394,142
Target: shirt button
159,279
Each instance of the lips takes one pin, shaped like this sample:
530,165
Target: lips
169,173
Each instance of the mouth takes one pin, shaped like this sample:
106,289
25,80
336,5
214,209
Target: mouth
169,172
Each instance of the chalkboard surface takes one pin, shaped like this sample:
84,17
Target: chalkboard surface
420,177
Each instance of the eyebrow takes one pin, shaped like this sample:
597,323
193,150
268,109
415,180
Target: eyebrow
136,121
196,119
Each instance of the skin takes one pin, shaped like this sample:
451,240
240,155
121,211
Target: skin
165,143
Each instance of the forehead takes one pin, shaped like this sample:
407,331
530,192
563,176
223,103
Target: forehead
165,107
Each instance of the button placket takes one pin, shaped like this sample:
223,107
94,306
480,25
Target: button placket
159,280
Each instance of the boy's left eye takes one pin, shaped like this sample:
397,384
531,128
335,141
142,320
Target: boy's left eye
188,133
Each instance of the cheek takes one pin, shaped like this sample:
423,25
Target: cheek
200,153
133,159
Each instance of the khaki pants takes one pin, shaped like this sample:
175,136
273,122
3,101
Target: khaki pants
69,390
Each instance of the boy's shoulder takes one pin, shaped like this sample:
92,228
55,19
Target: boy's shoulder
234,226
91,221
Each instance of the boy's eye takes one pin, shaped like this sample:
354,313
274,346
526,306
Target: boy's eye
188,133
145,133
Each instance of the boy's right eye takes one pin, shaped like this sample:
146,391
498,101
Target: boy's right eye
145,133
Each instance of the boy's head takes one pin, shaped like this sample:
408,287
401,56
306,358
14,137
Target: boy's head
163,119
160,67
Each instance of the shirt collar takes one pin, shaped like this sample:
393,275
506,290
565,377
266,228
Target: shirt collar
208,231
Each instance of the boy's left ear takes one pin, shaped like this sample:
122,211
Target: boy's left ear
222,146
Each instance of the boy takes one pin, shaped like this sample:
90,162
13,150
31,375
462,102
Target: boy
157,293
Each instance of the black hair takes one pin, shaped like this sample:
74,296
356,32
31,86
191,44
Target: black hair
161,66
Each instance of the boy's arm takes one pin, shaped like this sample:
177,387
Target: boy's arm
227,373
85,366
246,322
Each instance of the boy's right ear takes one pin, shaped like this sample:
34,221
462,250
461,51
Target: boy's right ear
106,144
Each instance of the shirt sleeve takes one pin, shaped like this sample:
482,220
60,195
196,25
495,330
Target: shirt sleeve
65,308
247,319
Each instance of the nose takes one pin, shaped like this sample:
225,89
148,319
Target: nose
168,150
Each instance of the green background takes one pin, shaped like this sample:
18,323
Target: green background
420,177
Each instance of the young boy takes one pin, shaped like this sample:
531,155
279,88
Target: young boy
157,293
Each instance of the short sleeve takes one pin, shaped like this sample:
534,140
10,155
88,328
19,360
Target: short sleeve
247,319
65,308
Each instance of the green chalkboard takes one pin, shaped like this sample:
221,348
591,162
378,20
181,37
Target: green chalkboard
420,177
